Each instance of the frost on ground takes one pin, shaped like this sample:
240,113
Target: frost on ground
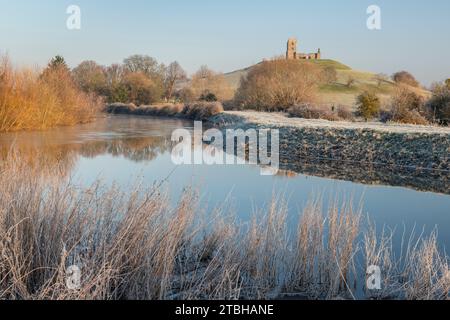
282,120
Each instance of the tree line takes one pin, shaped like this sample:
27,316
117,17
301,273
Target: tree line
142,80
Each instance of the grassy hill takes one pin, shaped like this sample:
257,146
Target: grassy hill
339,93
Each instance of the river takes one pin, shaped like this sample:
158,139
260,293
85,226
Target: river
123,150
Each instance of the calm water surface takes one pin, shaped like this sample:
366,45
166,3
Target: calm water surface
121,149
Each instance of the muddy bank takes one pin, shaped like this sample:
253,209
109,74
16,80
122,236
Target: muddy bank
369,153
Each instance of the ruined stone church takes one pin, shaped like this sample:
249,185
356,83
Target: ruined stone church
292,54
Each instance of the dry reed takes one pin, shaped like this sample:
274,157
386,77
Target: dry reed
135,246
28,100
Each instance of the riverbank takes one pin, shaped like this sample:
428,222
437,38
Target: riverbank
407,155
194,111
373,153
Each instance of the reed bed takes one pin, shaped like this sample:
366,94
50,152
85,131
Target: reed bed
133,245
31,99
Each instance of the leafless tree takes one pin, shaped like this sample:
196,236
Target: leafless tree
114,74
90,76
206,80
174,73
279,84
144,64
406,78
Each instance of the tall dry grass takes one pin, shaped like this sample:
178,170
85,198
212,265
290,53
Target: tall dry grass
420,271
29,100
133,245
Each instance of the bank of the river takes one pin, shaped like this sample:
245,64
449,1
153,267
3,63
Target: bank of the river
194,111
408,155
411,156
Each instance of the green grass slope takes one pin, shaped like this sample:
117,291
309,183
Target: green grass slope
339,93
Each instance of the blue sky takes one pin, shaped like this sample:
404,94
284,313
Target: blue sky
231,34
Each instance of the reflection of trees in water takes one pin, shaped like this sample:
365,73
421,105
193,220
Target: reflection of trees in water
57,160
422,180
134,149
61,159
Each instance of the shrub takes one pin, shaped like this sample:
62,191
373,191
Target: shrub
206,80
411,117
312,111
344,113
185,95
368,105
407,107
141,89
90,77
172,109
439,104
231,105
121,108
162,110
385,115
117,93
32,100
208,96
405,77
279,84
202,110
195,111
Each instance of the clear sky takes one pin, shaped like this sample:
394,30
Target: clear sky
231,34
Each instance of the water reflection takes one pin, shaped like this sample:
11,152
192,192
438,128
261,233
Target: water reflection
421,180
115,137
120,148
144,139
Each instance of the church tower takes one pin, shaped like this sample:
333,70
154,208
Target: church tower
291,53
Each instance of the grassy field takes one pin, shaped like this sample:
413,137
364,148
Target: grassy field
339,93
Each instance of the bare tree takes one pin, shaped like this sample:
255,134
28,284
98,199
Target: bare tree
204,73
115,74
90,76
144,64
206,81
278,85
174,73
406,78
